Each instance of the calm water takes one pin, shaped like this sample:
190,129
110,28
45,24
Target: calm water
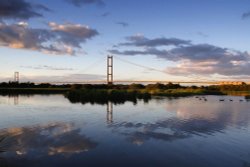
44,131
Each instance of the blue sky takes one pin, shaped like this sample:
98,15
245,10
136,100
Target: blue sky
69,39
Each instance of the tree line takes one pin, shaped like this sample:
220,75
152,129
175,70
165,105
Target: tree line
157,86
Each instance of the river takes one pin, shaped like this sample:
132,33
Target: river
49,131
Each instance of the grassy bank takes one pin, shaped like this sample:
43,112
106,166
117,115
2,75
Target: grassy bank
237,93
183,92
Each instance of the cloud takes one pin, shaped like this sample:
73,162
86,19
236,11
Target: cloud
149,51
237,77
105,14
204,52
141,41
72,34
58,78
202,34
45,67
82,77
66,78
129,52
57,39
245,15
208,59
79,3
123,24
201,59
20,9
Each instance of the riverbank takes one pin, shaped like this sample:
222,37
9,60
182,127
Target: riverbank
120,93
183,92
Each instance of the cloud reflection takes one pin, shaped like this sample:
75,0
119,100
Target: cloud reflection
190,118
46,140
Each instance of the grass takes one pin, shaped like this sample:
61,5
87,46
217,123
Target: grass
183,92
237,93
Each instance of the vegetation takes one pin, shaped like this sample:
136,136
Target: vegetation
121,93
242,87
102,93
13,88
30,85
102,96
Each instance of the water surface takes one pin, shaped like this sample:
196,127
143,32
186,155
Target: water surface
39,131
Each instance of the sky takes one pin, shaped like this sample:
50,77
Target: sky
170,40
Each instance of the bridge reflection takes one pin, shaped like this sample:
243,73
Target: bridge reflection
109,112
13,99
16,100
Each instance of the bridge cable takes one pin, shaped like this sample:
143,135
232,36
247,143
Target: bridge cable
92,65
157,70
139,65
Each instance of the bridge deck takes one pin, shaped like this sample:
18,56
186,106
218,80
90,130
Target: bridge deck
130,82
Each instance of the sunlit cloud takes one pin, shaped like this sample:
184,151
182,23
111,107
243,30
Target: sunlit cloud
201,59
189,120
46,67
75,77
65,39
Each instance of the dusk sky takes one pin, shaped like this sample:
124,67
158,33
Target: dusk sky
69,40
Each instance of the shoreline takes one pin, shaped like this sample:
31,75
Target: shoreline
157,92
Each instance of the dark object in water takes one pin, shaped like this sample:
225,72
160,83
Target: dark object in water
230,100
222,99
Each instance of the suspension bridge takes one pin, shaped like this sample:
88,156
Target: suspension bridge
191,80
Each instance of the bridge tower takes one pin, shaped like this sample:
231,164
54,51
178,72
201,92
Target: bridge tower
110,70
16,77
